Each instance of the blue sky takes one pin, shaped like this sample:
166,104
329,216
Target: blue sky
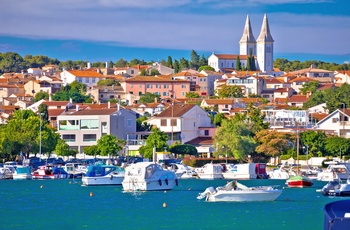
107,30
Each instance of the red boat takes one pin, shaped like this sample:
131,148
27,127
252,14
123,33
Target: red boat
299,182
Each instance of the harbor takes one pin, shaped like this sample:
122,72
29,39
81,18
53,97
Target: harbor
65,203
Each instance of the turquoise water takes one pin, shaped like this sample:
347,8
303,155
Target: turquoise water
64,204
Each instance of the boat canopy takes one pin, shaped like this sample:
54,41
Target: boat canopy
102,170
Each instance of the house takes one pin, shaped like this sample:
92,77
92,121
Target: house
249,84
297,100
204,142
34,71
105,93
87,77
162,69
336,123
298,83
163,85
321,75
82,128
193,78
282,93
220,105
149,109
181,122
206,82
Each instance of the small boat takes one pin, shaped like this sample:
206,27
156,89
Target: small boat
22,173
183,171
337,215
102,174
50,172
281,173
210,171
148,176
73,170
336,188
234,191
299,181
334,171
5,173
245,171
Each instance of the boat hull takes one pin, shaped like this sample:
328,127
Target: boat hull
104,180
299,182
149,185
244,196
22,176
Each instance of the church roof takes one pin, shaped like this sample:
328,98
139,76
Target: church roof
247,36
265,35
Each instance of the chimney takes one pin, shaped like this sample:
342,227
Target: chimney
77,107
109,104
107,65
89,65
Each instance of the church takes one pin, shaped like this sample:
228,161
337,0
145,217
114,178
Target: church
261,48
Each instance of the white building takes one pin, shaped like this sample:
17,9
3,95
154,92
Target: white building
261,49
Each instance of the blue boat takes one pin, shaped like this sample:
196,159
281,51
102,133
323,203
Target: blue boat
337,215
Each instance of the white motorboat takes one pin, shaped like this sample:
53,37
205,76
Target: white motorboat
5,173
281,173
101,174
22,173
237,192
148,176
240,171
210,171
334,171
74,170
183,171
336,188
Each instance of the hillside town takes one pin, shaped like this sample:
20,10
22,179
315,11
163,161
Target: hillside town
278,95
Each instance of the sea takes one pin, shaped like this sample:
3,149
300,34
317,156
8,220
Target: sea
66,204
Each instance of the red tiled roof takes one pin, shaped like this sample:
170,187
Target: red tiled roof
86,73
177,110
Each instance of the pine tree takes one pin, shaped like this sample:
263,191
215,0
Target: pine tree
238,63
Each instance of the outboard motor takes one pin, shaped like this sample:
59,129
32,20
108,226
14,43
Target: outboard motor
328,189
204,194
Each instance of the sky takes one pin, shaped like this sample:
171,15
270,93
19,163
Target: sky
107,30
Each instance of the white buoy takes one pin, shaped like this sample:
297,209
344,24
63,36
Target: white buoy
164,205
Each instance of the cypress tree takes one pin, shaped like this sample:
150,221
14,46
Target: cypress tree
238,63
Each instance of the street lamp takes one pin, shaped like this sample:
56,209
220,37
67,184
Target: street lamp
40,114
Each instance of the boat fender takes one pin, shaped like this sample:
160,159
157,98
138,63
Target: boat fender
160,182
176,182
111,177
166,181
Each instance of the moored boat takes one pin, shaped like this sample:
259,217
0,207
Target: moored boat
148,176
210,171
22,173
299,181
337,215
236,192
336,188
50,172
101,174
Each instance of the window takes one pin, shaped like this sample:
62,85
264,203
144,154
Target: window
68,137
104,127
334,120
132,72
183,86
128,122
166,86
140,93
148,86
165,93
93,80
89,124
163,122
156,93
173,122
157,86
206,132
131,85
89,137
182,93
131,92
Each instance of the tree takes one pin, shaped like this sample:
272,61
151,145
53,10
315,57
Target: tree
184,149
273,143
157,139
121,63
149,98
192,95
154,72
169,62
206,67
230,91
108,82
142,125
62,148
183,64
92,150
310,86
194,60
234,139
203,61
109,145
41,95
335,146
176,66
238,63
316,141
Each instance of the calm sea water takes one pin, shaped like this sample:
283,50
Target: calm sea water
64,204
